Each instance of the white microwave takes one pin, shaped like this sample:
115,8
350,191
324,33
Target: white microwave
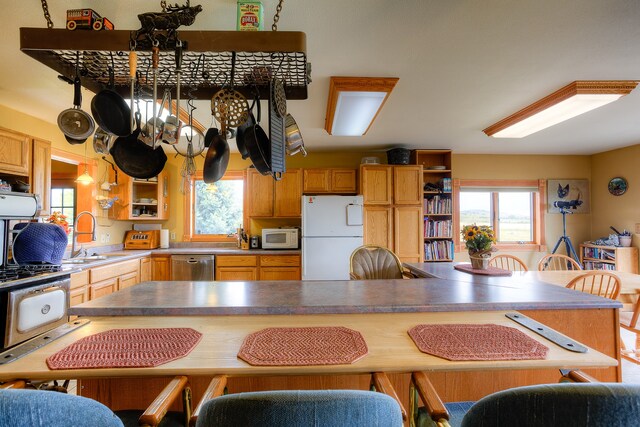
279,238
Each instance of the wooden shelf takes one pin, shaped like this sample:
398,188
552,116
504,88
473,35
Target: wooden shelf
259,56
438,238
446,171
617,259
437,192
437,214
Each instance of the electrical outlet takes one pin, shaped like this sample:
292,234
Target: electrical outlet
173,235
638,228
107,237
103,238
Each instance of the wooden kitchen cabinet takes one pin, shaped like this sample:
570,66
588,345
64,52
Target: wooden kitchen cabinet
40,178
376,184
253,267
329,180
102,288
146,271
110,278
78,290
393,209
407,185
140,199
274,199
15,152
236,267
161,267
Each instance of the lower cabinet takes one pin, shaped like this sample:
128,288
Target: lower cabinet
79,289
110,278
146,270
161,267
254,267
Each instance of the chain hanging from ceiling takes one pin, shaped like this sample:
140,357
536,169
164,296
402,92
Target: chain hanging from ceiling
47,16
276,17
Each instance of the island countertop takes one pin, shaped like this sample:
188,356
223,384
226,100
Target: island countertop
178,298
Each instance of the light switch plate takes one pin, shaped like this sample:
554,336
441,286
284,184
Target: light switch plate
638,228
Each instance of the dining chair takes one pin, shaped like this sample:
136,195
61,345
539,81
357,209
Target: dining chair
575,401
596,282
629,321
508,262
38,401
298,408
558,262
369,262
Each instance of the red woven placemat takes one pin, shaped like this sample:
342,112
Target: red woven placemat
490,271
126,348
476,342
330,345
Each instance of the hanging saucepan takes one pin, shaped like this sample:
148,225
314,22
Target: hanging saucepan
216,160
242,129
258,146
135,158
293,137
76,125
110,110
102,141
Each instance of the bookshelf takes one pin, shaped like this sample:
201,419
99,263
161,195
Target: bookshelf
437,204
611,258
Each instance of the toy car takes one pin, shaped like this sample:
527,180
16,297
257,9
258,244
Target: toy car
87,19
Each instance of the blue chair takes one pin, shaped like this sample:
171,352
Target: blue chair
285,408
563,404
37,408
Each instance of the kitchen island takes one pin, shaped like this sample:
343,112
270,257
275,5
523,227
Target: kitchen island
585,318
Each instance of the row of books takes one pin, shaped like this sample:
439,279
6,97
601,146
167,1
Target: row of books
599,253
437,205
437,228
438,250
594,265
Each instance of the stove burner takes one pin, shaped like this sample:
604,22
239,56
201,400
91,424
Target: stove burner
14,272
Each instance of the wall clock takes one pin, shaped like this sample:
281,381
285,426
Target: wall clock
617,186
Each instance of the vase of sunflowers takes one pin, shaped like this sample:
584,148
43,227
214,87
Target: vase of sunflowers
478,239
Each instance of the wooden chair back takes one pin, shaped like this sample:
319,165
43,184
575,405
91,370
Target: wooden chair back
508,262
557,262
599,283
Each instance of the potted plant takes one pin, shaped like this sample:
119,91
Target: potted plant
478,239
59,219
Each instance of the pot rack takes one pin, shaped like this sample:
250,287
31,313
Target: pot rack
206,63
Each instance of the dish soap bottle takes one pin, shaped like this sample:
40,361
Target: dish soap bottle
250,16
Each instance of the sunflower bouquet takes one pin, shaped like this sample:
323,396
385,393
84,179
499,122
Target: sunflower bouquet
59,219
478,239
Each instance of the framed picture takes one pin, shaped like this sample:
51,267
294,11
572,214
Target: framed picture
569,194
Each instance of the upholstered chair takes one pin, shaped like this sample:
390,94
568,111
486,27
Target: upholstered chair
371,262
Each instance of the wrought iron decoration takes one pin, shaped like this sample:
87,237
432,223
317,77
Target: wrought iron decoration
168,20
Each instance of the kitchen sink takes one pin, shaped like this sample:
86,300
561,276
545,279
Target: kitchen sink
83,260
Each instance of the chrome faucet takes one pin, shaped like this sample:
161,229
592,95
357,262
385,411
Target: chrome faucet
76,233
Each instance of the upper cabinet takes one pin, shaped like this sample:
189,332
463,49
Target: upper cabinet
407,185
274,199
40,178
376,184
15,152
141,199
330,180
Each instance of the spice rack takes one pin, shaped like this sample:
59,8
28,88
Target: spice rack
206,63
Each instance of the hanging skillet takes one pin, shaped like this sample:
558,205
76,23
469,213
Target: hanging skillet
259,147
110,110
135,158
216,160
242,129
76,125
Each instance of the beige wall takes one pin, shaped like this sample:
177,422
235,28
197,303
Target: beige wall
621,212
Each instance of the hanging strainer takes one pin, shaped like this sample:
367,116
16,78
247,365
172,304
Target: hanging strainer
190,135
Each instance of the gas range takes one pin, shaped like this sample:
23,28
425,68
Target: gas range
15,275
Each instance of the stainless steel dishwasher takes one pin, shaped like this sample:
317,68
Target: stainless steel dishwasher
192,267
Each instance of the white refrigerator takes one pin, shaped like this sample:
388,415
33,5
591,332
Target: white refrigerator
331,230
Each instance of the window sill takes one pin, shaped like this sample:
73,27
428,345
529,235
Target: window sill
521,247
208,238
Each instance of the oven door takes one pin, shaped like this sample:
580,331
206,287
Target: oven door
34,310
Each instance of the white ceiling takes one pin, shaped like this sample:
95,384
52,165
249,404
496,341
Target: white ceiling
462,64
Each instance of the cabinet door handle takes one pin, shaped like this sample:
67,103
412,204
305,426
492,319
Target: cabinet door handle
164,186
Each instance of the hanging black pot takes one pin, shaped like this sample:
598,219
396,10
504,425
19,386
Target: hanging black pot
110,110
135,158
216,160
